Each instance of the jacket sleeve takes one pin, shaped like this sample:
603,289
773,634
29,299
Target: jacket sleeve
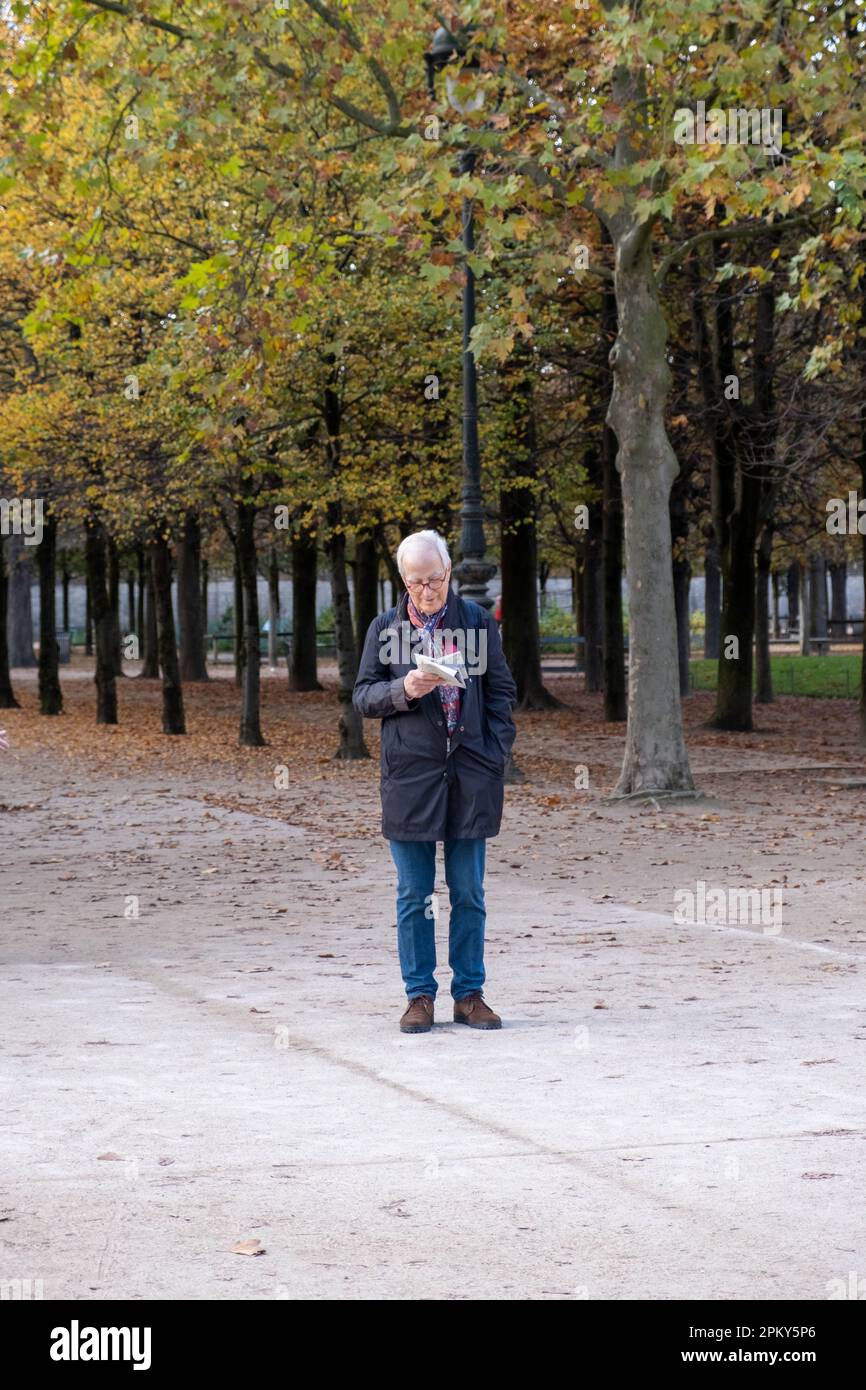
500,691
375,693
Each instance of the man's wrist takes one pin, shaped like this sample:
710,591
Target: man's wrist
400,696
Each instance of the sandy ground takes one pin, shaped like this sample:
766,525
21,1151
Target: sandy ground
670,1111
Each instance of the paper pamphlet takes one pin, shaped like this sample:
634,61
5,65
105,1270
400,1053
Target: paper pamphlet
449,666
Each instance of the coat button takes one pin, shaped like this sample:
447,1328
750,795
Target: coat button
461,728
438,721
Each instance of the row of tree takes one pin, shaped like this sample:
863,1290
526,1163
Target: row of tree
231,271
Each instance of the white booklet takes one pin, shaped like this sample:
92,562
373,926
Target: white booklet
449,666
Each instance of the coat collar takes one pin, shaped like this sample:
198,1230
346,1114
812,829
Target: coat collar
451,609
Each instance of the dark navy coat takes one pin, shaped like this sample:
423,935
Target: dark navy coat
427,792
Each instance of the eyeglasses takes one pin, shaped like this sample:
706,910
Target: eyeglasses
425,583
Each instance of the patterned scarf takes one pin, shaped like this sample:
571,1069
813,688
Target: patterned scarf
448,694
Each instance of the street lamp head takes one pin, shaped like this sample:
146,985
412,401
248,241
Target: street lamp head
441,51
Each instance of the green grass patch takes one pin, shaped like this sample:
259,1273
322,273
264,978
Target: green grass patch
825,677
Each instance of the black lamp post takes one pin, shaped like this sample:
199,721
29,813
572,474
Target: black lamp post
474,570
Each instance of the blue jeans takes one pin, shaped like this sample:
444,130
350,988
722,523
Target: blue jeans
416,941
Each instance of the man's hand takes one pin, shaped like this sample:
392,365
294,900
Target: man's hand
418,683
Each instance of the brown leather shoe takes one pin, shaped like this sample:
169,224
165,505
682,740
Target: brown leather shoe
418,1017
473,1010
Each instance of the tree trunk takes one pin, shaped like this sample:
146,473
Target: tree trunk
65,583
591,579
7,694
655,754
88,618
613,636
519,565
130,602
240,645
682,575
805,606
20,630
105,675
138,629
273,608
366,580
205,574
302,659
150,661
792,590
114,604
818,596
172,691
763,669
352,743
839,592
712,600
250,729
351,724
50,694
193,666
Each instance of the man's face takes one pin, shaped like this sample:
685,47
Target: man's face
423,566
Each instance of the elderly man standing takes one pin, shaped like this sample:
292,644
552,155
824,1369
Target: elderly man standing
443,757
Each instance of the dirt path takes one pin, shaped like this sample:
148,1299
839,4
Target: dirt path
669,1110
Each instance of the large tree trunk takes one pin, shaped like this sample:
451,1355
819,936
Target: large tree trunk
613,634
712,600
172,691
105,675
7,694
20,622
193,666
763,669
655,754
50,694
366,573
303,657
250,730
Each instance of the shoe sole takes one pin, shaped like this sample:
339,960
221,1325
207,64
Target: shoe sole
488,1027
417,1030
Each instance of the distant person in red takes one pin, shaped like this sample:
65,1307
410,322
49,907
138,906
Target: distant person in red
497,611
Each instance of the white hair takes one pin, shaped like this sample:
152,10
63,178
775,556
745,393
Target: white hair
431,538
